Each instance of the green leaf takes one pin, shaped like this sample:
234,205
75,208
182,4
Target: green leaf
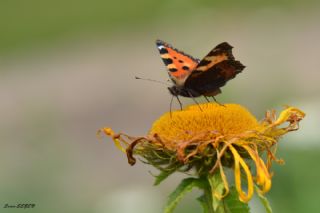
185,186
162,176
232,204
264,201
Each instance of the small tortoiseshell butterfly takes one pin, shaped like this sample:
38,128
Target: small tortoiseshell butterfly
193,77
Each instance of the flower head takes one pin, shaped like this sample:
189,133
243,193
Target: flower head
212,137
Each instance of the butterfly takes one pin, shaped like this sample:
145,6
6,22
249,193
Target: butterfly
192,77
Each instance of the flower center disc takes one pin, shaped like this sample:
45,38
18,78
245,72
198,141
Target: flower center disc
205,121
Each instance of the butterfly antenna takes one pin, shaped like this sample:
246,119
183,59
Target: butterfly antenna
215,100
147,79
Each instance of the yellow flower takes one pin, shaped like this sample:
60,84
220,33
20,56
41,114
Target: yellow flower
211,137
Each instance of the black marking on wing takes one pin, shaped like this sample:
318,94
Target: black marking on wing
173,70
221,48
163,51
167,61
185,68
165,44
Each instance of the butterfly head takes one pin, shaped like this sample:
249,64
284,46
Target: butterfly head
174,90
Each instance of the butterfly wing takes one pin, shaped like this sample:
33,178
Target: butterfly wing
213,71
220,53
179,64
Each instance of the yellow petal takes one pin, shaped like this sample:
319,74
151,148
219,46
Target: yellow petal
286,114
263,176
106,130
238,161
109,132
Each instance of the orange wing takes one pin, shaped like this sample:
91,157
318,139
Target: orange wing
179,64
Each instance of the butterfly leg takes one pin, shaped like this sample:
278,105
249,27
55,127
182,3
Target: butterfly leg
179,102
194,100
206,99
171,106
215,100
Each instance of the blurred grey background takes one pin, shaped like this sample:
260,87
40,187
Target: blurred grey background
67,69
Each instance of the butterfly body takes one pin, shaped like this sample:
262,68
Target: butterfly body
193,77
182,91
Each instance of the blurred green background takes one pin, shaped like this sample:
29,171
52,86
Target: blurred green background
67,69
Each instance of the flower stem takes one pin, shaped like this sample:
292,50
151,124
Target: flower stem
208,198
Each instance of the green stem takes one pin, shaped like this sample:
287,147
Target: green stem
209,201
208,196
